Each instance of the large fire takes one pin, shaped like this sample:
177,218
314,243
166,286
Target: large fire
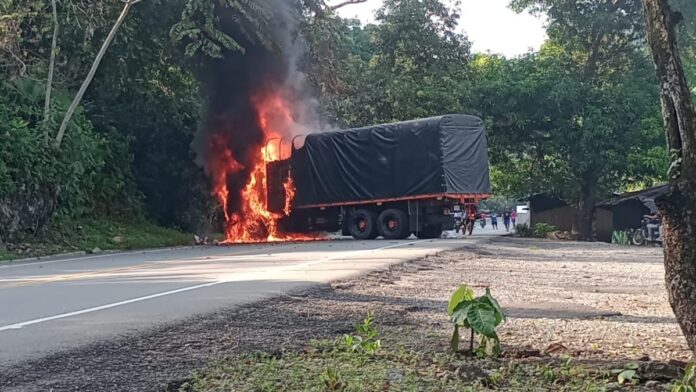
252,221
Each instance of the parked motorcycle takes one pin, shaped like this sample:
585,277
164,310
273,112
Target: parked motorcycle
642,236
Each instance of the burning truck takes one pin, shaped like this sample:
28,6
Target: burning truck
273,184
388,180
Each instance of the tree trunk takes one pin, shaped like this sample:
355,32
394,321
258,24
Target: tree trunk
71,110
586,206
51,66
678,206
592,64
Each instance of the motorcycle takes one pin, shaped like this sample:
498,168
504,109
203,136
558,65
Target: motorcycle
457,223
642,236
468,227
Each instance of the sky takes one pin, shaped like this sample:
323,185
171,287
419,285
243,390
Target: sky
489,24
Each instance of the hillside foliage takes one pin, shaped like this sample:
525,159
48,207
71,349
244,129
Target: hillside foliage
580,118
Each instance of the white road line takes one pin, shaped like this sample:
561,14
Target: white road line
107,306
232,278
20,263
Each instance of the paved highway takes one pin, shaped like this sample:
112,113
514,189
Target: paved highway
58,304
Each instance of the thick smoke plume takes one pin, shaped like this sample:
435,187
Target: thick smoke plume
239,86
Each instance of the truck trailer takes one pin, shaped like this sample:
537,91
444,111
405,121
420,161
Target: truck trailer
388,180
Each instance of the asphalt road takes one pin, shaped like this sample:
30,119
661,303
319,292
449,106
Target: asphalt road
59,304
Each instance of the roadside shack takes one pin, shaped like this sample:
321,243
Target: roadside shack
625,213
544,208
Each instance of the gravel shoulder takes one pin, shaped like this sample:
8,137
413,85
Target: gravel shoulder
599,302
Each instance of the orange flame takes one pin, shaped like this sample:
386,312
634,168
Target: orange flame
289,187
254,222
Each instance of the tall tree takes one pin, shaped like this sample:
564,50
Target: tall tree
546,127
679,205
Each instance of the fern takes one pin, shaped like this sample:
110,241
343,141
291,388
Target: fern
200,29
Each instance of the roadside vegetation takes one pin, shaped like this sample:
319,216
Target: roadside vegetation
96,236
539,230
368,360
326,365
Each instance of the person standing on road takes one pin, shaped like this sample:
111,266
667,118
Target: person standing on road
494,220
483,219
470,220
506,220
458,220
513,218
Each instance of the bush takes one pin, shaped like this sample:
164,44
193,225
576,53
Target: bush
523,230
36,179
69,234
543,229
364,339
540,230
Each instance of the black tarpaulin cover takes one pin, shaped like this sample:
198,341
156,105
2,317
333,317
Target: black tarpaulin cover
446,154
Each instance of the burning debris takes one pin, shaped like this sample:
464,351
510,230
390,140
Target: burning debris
254,97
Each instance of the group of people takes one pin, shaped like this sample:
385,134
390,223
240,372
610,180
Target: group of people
508,218
471,216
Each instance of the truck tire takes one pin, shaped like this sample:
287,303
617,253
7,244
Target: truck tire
362,225
392,224
429,232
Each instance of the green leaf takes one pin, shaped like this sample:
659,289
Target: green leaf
454,342
460,313
481,317
488,298
627,375
464,293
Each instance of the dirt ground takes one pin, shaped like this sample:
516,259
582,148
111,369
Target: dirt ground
591,301
598,300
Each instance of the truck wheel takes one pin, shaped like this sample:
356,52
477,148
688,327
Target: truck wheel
392,224
429,232
362,225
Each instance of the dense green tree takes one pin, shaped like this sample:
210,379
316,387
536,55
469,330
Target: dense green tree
153,98
593,100
411,64
200,26
143,100
687,38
